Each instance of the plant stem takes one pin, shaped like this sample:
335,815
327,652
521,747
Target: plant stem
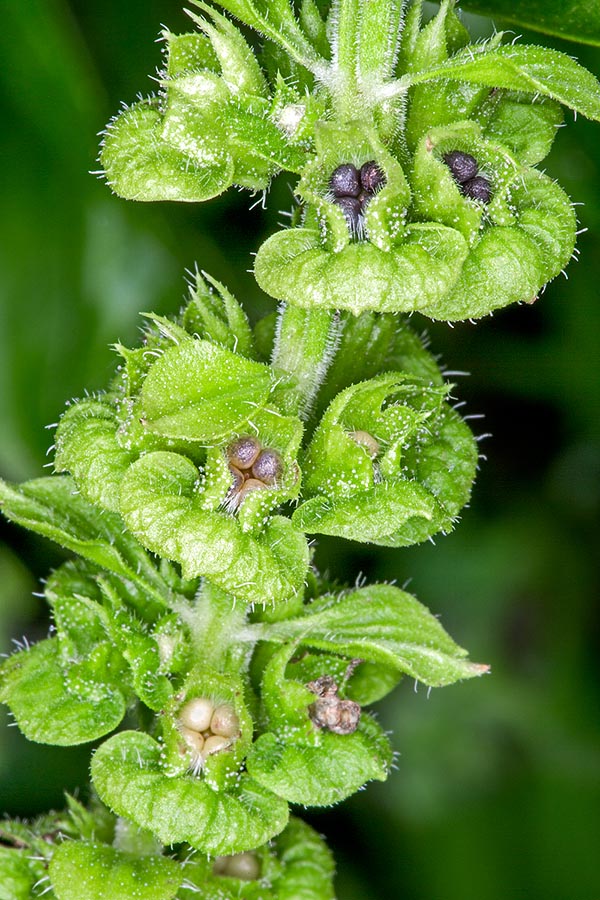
304,346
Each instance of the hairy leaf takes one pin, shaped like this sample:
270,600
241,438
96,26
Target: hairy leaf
128,775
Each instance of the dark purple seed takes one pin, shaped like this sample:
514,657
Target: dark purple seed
462,165
345,181
371,177
268,466
478,188
352,209
243,452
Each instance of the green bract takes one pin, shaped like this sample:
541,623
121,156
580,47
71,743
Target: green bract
367,89
390,463
187,490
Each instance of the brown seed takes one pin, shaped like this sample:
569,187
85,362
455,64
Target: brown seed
251,484
345,181
268,466
371,176
225,721
196,714
242,452
215,743
238,479
333,714
366,441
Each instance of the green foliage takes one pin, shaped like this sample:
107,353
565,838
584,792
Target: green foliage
562,18
186,491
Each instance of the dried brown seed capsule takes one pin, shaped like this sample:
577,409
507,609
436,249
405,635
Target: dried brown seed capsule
215,743
244,866
367,441
242,452
371,177
225,721
478,188
352,208
329,711
196,714
463,166
345,181
268,466
338,716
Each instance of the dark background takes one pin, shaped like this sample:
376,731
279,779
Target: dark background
497,791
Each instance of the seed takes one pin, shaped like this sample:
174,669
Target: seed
371,177
366,441
196,714
352,208
333,714
193,739
244,866
251,484
215,743
345,181
268,466
463,166
243,452
478,188
238,479
225,721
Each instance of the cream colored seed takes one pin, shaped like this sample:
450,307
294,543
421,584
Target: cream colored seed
367,441
193,739
244,866
196,714
215,743
225,721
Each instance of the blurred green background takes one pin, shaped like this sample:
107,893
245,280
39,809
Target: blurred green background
497,791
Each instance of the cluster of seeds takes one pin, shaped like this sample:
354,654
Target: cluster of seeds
353,188
244,866
329,711
207,728
253,467
464,169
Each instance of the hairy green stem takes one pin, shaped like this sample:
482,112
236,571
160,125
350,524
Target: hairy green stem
304,346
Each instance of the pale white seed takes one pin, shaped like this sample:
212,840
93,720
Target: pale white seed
225,721
193,739
244,866
366,441
197,713
215,743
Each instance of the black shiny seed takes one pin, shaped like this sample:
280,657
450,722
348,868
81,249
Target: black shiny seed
345,181
352,209
371,176
478,188
462,165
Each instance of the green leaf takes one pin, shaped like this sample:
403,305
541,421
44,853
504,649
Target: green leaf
381,624
535,70
214,313
308,866
52,507
87,448
19,874
128,775
140,165
562,18
320,775
33,685
198,391
293,266
163,507
96,872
